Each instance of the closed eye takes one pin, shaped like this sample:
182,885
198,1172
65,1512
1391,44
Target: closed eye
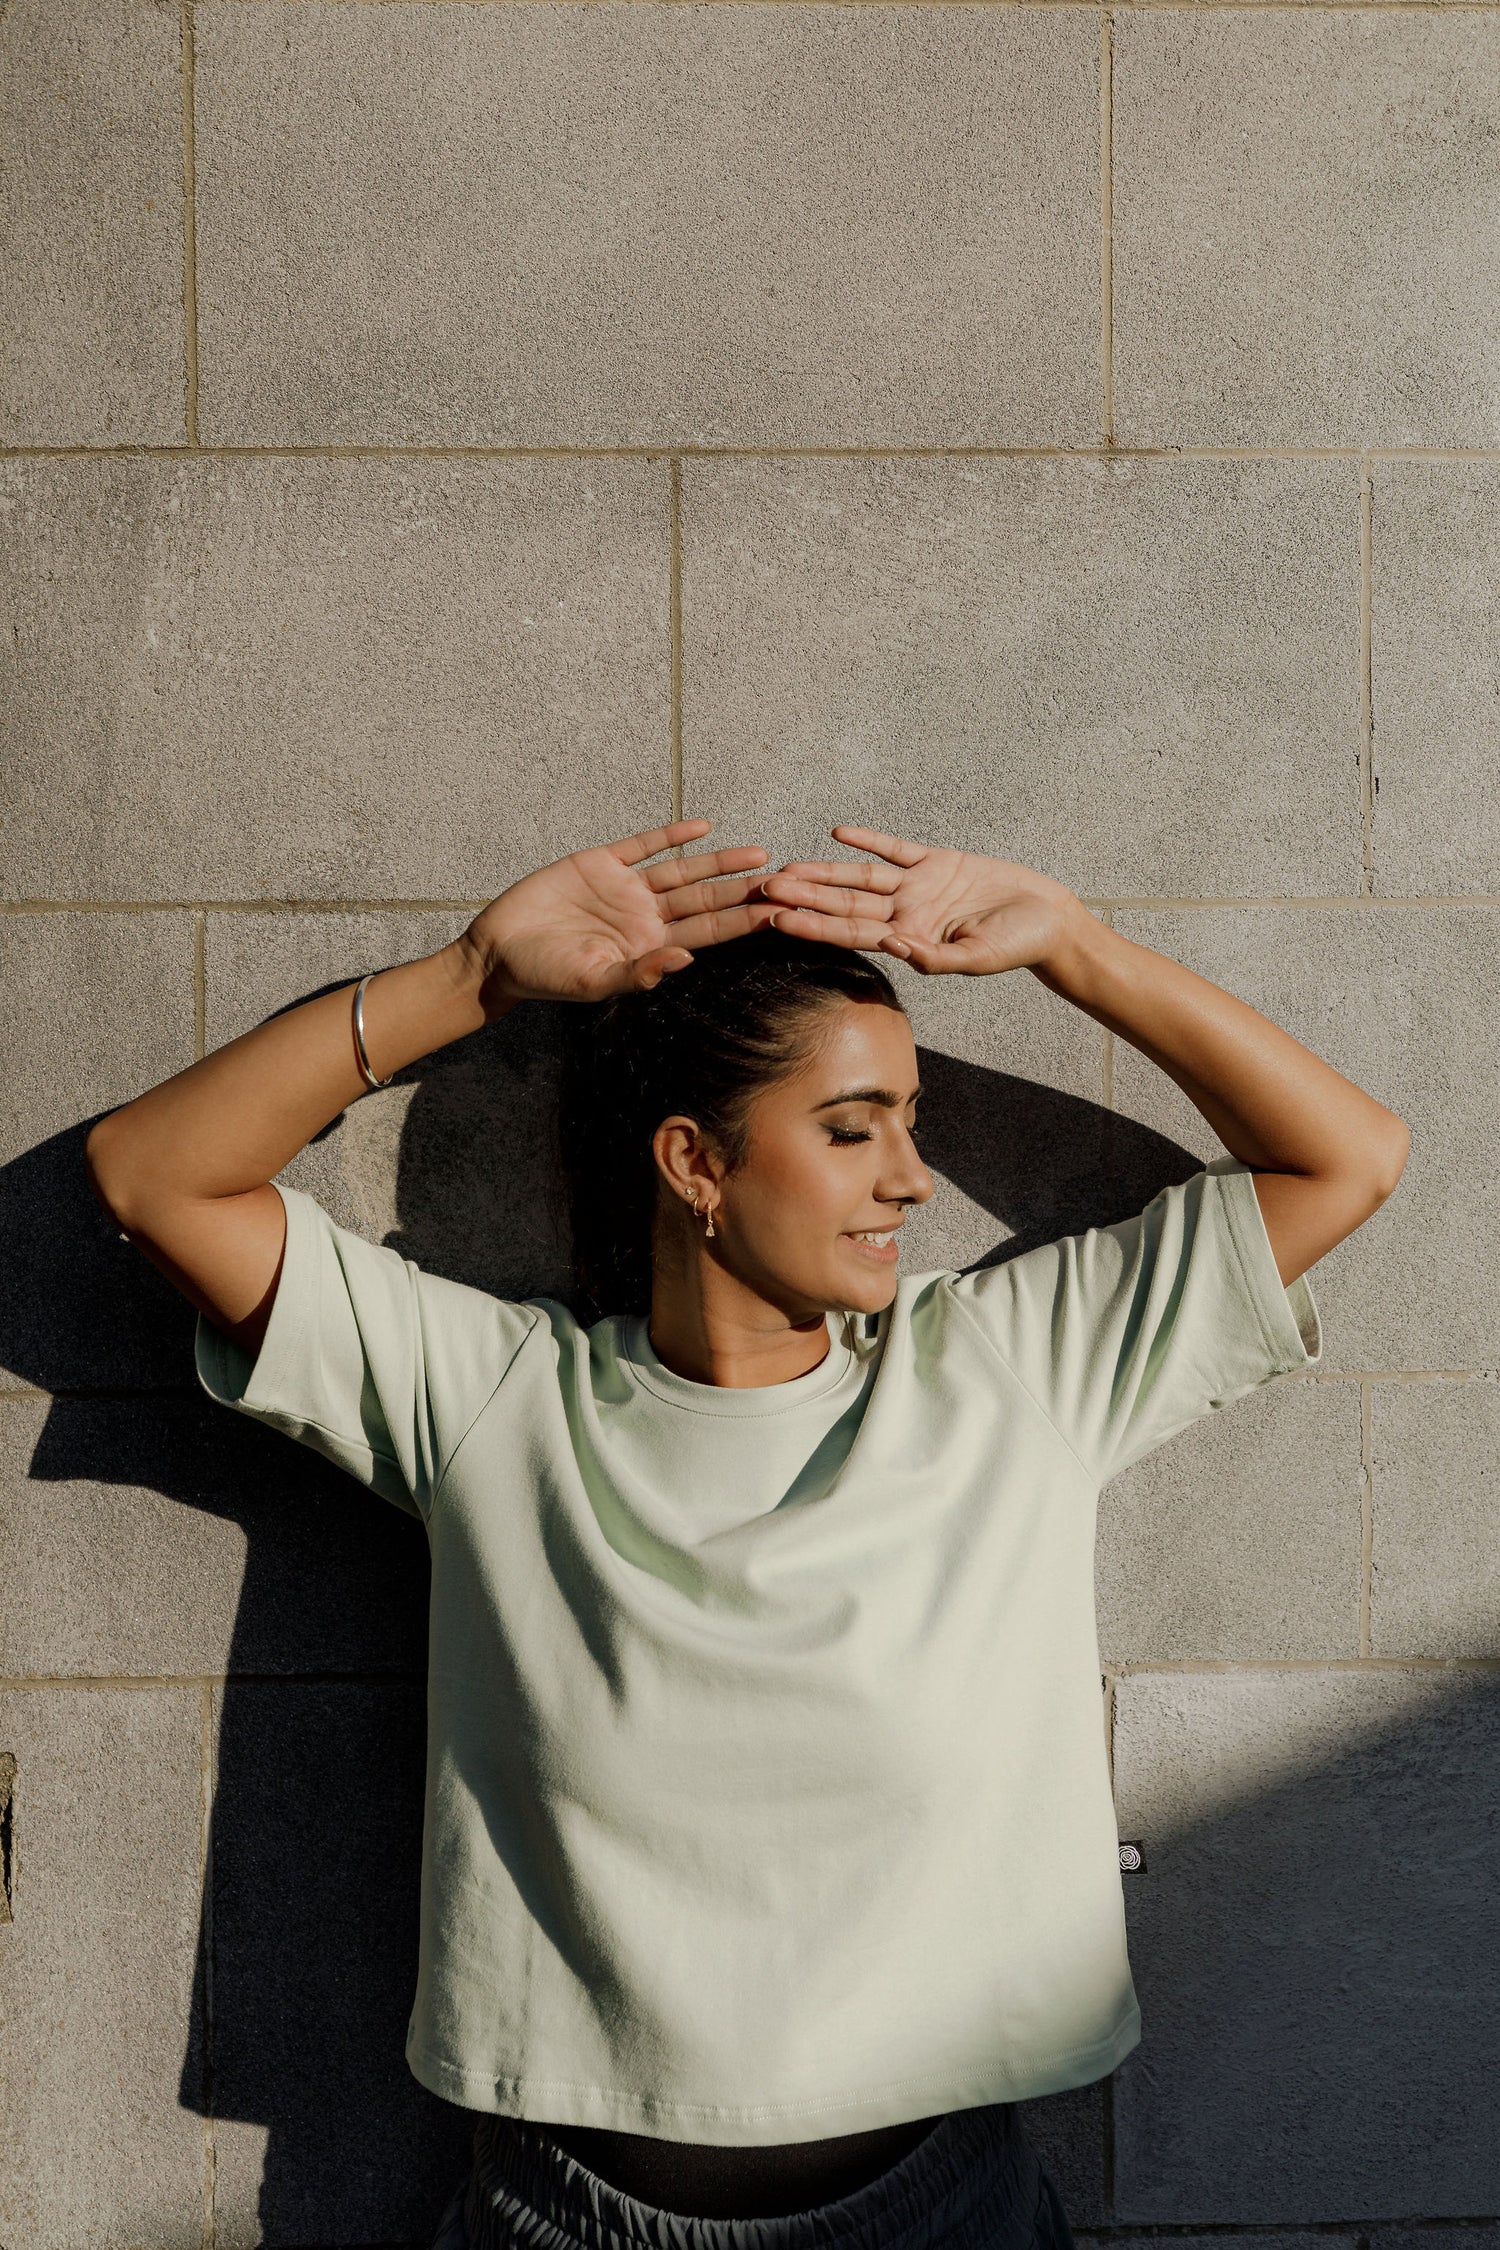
844,1135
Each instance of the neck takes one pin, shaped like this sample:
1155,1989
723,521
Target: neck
710,1327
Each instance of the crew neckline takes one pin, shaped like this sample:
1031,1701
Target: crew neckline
653,1374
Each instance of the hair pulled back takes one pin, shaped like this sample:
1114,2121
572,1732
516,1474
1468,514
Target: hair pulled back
701,1044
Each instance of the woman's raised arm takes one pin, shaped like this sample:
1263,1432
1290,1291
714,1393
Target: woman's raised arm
185,1169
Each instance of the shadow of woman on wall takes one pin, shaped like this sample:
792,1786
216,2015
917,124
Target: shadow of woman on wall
307,1939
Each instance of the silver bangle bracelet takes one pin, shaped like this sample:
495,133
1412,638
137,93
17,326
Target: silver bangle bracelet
359,1032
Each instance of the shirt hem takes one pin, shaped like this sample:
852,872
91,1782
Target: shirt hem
566,2101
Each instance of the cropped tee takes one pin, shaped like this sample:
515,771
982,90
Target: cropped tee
767,1795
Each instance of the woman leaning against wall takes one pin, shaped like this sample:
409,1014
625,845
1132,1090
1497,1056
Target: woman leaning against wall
769,1853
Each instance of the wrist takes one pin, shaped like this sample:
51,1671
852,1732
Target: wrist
480,977
1078,961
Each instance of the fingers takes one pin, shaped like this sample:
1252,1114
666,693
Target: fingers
714,926
850,874
834,929
629,849
830,898
898,848
708,898
703,866
961,957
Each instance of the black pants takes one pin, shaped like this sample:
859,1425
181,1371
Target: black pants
974,2183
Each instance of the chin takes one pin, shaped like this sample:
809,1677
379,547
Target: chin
871,1296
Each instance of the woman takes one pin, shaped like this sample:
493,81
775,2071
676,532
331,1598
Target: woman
769,1851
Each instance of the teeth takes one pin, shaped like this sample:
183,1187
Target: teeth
880,1239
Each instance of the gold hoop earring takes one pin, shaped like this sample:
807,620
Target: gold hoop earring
697,1214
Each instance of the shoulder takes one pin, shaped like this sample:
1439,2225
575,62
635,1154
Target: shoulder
459,1325
932,1315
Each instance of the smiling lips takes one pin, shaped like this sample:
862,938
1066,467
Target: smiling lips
878,1245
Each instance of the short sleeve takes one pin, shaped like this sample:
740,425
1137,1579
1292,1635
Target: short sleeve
1125,1334
367,1358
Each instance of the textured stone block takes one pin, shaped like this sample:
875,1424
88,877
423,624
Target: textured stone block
1435,1587
101,2065
1067,2132
91,212
1137,676
97,1008
326,2136
573,225
1313,1944
255,965
1403,1001
111,1509
1306,227
343,678
1241,1536
1435,619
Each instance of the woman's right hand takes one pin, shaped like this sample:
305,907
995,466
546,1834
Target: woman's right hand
598,922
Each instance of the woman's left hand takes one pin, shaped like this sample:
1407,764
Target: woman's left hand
943,911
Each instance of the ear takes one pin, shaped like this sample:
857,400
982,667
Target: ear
691,1169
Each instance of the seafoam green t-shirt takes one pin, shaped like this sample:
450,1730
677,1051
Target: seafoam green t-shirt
767,1795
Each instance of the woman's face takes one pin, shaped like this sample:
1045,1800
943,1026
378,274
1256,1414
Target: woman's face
811,1220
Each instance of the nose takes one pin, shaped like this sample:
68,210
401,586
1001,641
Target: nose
909,1180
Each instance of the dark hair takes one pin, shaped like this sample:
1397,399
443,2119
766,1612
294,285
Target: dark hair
702,1044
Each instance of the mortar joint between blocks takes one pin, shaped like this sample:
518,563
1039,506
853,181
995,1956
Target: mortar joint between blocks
189,227
675,634
1366,1513
200,996
1106,223
1366,754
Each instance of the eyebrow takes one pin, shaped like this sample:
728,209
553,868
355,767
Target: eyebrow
879,1094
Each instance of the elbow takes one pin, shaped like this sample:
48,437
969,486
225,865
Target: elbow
1391,1161
101,1169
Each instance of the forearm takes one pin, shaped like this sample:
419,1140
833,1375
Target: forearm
1273,1103
232,1121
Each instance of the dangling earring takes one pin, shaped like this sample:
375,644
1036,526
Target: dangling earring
697,1214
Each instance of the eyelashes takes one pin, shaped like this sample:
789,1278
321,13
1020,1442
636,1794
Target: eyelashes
843,1137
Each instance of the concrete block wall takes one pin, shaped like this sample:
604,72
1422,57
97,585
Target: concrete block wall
438,434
